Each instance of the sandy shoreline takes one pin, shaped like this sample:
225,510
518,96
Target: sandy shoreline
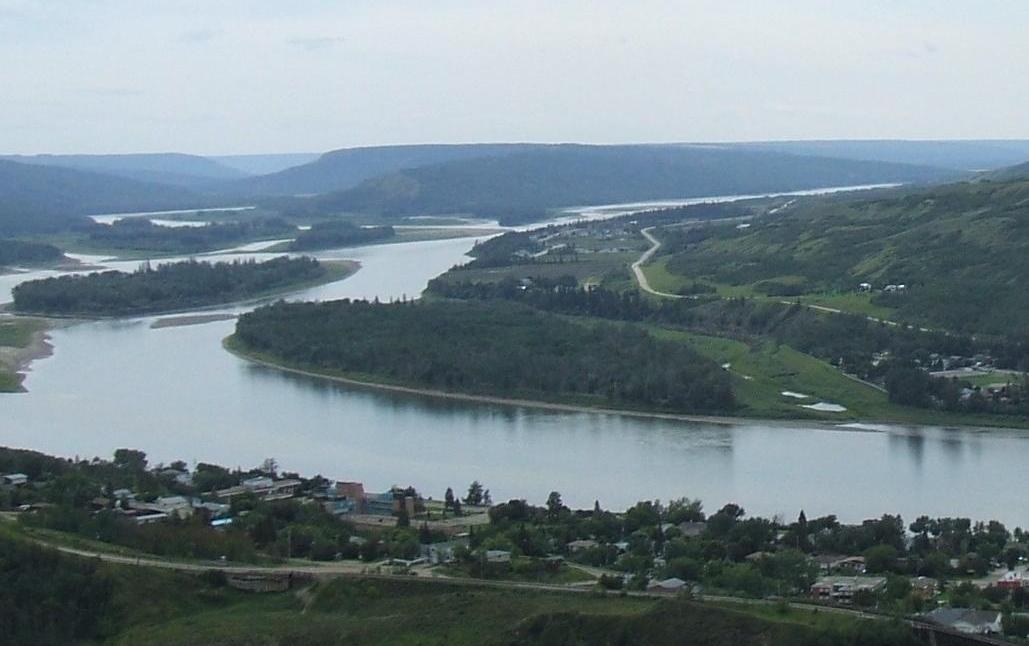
19,360
196,319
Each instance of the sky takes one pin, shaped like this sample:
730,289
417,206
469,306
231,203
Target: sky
263,76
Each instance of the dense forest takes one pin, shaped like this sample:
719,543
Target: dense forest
960,250
170,287
338,233
20,252
499,348
852,342
142,234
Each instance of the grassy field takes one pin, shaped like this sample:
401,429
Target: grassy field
588,268
664,280
763,371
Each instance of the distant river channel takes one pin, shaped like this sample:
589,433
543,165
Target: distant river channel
175,393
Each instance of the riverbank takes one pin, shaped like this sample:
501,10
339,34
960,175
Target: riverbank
235,348
22,341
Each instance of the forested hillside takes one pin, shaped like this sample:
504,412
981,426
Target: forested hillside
961,251
20,252
48,198
519,186
339,170
498,348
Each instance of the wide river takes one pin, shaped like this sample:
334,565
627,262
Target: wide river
174,393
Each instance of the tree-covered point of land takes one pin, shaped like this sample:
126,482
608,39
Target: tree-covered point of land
497,348
144,235
18,252
338,233
170,287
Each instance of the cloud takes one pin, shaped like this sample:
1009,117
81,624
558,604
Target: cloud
112,91
315,43
197,36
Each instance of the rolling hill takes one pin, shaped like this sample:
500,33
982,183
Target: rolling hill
964,155
345,168
520,185
35,198
176,169
961,250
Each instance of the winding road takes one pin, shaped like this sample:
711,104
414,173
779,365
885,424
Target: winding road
637,267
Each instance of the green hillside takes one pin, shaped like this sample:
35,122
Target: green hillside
521,185
50,598
962,252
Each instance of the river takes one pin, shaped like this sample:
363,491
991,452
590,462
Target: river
174,393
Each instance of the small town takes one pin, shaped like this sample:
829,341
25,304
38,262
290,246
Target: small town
963,576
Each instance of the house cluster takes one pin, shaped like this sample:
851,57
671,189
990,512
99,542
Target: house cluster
343,498
125,502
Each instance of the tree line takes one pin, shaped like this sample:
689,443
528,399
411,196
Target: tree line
170,287
338,233
502,349
142,234
17,252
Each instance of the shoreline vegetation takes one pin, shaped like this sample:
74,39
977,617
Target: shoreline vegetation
485,349
319,273
232,345
235,347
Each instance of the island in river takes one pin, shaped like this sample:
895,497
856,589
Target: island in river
173,287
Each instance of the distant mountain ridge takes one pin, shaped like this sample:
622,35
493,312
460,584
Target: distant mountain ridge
543,177
264,164
964,155
176,169
36,198
339,170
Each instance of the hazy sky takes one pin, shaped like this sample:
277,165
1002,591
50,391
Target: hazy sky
219,76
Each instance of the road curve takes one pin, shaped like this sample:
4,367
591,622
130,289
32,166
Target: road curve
637,267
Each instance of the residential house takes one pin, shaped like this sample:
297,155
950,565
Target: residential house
581,544
15,479
498,556
925,587
1012,580
965,620
841,589
379,504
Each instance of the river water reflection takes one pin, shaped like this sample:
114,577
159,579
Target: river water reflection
175,393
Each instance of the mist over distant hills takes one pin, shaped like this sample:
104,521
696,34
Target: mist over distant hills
518,181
